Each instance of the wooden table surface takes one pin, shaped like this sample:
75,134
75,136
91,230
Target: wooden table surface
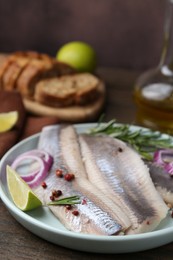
18,243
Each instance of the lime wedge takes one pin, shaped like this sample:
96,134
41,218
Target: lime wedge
8,120
22,195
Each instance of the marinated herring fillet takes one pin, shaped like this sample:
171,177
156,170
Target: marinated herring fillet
163,182
120,173
96,216
73,159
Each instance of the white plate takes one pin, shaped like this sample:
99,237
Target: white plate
43,223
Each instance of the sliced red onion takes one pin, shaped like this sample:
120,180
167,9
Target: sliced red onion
161,158
20,160
31,176
35,177
42,154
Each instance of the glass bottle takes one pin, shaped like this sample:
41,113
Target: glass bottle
153,92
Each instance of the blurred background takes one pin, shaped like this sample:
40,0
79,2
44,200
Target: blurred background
125,34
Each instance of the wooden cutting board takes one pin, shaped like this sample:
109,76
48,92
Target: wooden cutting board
72,114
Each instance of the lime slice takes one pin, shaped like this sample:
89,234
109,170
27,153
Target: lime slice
8,120
22,195
79,55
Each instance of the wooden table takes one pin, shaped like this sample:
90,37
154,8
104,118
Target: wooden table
18,243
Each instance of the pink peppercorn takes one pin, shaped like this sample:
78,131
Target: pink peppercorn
59,173
68,207
75,212
44,185
69,176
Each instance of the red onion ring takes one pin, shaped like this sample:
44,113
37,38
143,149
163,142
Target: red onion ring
158,158
45,161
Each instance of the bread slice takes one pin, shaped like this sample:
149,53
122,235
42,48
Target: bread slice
13,72
55,92
33,55
63,68
77,89
4,66
35,71
60,67
86,88
3,58
38,69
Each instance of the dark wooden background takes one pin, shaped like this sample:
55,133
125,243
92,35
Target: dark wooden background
126,34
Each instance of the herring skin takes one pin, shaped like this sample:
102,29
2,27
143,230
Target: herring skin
120,173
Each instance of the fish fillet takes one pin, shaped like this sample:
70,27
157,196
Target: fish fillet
97,213
163,182
120,173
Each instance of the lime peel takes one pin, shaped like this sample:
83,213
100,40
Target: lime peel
22,195
8,120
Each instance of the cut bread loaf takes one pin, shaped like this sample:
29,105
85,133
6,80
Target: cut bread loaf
77,89
44,81
35,71
12,65
21,71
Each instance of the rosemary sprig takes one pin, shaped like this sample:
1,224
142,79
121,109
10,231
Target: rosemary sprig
65,201
144,141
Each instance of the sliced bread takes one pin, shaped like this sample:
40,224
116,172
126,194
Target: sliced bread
77,89
23,69
4,66
55,92
32,55
13,71
33,73
86,88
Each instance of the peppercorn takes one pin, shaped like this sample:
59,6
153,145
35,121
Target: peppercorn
59,173
56,193
69,176
52,198
44,185
68,207
75,212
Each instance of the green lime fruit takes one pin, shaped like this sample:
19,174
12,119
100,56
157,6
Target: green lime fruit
78,55
22,195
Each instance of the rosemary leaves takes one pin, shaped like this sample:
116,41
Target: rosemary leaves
144,141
